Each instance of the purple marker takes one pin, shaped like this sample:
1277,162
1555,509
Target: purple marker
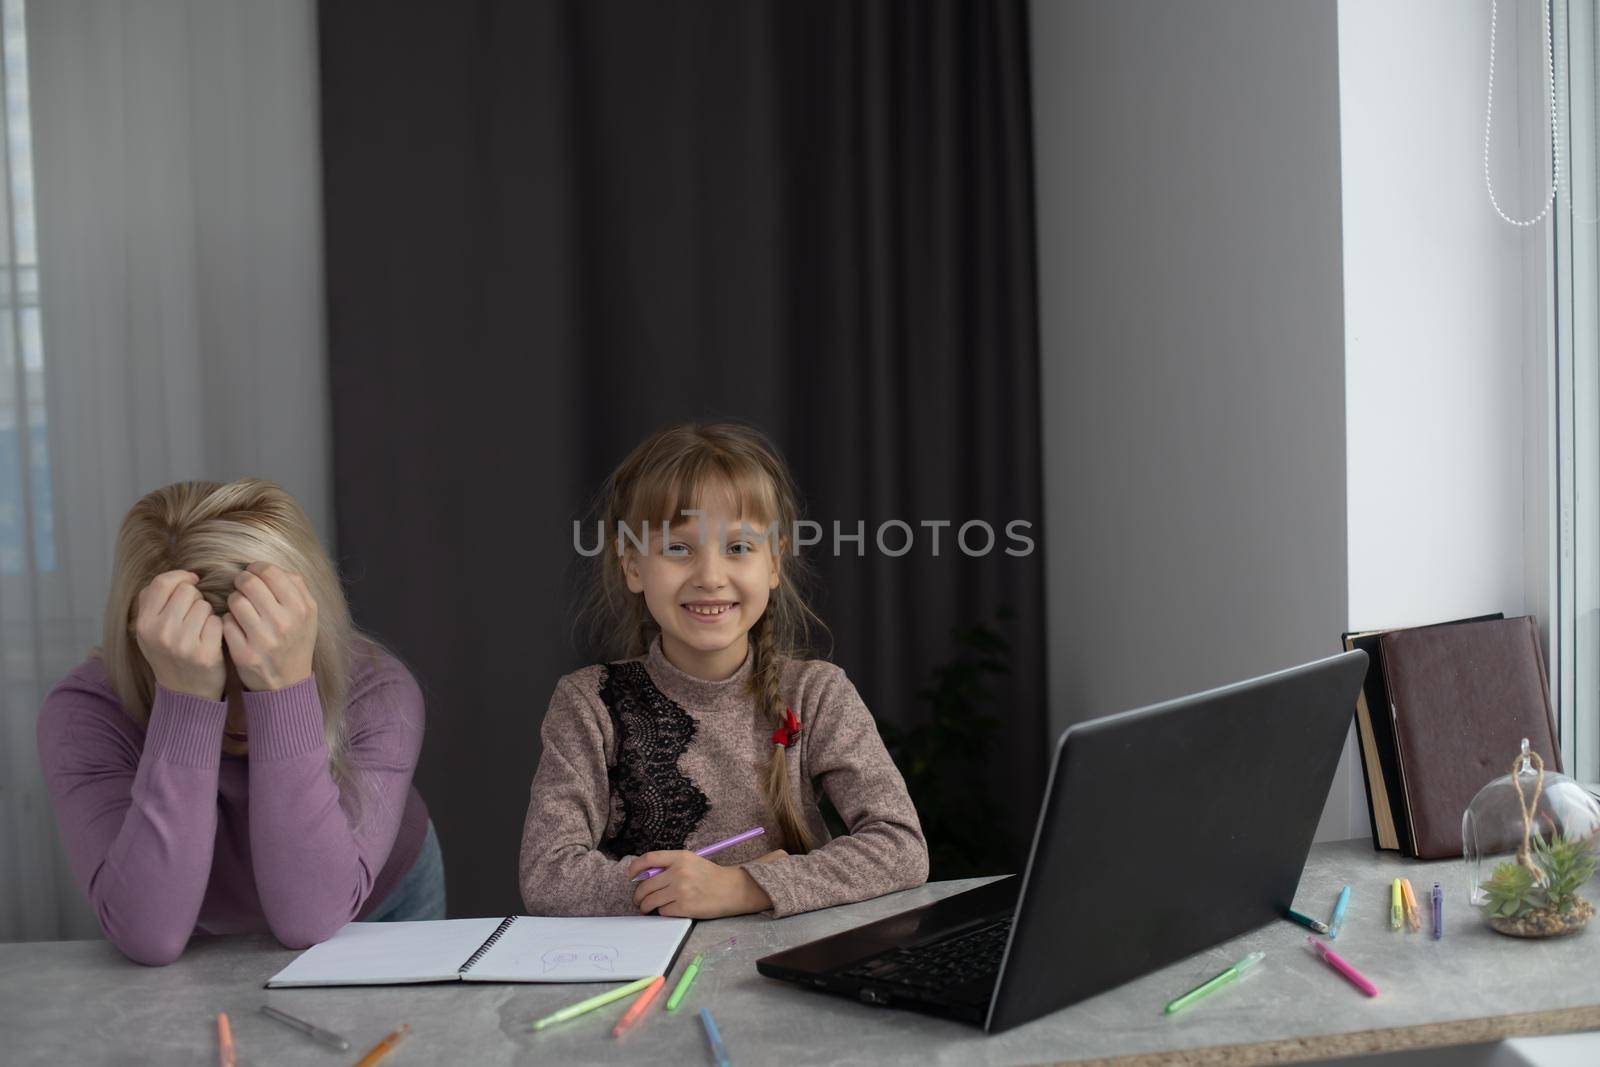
1438,912
754,831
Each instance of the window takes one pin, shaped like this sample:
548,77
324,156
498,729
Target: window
27,542
1575,616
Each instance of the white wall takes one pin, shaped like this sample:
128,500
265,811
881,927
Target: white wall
1187,169
1437,290
1433,316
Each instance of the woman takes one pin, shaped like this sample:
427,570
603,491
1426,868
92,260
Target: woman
235,757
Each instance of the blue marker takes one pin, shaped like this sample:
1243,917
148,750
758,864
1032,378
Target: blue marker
714,1039
1338,913
1438,912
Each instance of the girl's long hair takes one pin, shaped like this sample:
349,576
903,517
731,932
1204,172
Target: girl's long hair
673,471
216,530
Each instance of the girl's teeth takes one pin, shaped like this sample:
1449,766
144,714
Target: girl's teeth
706,611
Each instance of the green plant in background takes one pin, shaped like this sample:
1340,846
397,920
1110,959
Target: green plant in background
945,759
1566,864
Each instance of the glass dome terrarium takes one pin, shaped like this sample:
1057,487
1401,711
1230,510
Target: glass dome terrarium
1531,840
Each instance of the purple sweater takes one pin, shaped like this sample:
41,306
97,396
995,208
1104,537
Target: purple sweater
168,837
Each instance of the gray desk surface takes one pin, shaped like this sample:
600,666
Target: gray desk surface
80,1002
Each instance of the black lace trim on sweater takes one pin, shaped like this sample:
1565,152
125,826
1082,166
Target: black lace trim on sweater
661,806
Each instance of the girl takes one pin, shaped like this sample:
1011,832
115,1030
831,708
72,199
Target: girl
714,723
235,757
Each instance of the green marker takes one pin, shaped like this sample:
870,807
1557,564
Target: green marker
1307,921
684,983
592,1003
1216,983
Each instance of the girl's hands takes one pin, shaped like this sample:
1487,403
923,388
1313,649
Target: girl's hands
270,628
692,887
180,636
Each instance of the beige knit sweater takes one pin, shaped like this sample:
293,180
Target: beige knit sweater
639,756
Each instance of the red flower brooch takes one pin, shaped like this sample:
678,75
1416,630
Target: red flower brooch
785,735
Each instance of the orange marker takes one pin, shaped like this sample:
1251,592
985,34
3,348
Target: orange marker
1412,918
384,1047
637,1010
225,1054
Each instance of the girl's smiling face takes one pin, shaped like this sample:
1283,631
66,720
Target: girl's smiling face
705,584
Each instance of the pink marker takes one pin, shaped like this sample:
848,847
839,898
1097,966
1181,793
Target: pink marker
729,842
1351,975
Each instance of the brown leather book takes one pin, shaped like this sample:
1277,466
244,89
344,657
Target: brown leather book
1380,769
1462,698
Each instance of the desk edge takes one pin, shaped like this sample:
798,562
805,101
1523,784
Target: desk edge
1364,1042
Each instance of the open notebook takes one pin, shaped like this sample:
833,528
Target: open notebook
521,948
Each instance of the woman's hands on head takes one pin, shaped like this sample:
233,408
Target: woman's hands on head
180,636
270,631
692,887
270,628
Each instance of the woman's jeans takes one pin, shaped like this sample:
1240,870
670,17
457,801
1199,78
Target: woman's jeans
420,892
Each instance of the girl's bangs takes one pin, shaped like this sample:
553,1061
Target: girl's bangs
702,478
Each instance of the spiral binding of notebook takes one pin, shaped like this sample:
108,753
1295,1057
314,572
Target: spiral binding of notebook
499,932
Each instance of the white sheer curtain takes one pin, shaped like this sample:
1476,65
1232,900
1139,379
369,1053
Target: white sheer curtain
170,328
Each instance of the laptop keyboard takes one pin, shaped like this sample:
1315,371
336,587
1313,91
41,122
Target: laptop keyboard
941,964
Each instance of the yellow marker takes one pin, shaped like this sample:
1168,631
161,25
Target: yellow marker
1413,920
1394,905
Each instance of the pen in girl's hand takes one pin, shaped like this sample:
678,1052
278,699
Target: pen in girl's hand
727,842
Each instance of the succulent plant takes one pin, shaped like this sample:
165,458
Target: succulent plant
1512,891
1567,863
1564,865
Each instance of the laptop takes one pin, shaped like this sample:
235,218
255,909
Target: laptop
1164,831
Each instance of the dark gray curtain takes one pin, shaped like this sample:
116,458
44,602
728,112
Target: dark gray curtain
554,227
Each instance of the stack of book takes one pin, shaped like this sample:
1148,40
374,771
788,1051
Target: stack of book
1442,713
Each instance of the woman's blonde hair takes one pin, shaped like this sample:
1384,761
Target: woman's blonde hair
670,472
216,530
